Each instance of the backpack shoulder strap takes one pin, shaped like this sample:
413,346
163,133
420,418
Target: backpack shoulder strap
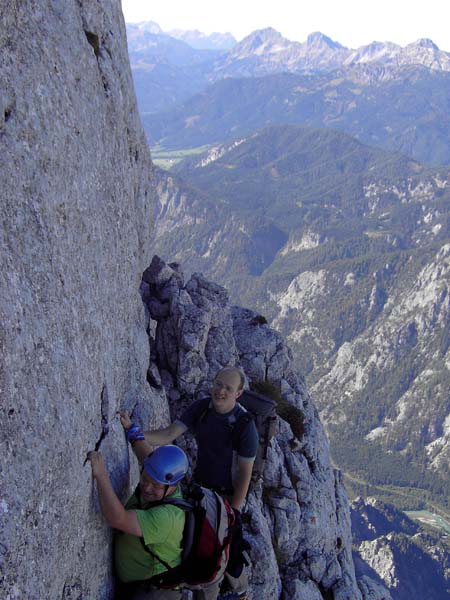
201,411
155,556
238,428
179,502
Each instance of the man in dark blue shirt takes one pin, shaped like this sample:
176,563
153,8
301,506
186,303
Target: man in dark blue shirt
222,464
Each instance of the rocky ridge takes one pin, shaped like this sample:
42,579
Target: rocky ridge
270,52
297,521
266,51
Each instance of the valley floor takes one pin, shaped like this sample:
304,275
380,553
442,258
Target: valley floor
434,515
430,519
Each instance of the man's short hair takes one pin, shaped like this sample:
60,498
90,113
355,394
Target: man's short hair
237,370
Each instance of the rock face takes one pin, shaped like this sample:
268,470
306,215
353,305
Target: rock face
75,211
298,521
410,324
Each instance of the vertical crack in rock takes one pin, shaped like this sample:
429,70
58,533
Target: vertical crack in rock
7,108
97,44
94,41
104,406
105,85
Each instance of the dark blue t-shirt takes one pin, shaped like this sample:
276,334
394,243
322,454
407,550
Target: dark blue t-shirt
213,432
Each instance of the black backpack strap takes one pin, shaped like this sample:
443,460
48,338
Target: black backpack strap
238,428
155,556
179,502
201,412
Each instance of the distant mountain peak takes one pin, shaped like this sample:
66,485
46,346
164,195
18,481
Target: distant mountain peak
202,41
266,33
319,39
148,27
381,46
376,51
262,42
424,43
176,32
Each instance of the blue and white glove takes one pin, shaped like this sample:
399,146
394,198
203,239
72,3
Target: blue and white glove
134,434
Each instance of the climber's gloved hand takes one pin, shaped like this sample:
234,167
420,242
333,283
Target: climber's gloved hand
134,434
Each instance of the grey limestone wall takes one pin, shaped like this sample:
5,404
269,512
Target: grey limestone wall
74,232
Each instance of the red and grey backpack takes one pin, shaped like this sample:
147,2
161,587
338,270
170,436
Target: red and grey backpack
206,540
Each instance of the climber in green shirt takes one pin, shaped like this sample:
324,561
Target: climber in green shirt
160,528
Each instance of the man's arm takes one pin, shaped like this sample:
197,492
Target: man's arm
158,437
241,481
112,509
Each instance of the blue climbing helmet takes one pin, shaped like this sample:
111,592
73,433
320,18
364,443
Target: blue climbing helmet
167,464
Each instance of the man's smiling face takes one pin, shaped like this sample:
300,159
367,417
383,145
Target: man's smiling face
151,490
226,390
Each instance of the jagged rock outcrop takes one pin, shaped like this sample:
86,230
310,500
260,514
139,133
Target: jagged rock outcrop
372,518
391,550
75,213
298,522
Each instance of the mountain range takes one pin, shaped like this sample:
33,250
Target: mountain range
385,95
267,51
405,114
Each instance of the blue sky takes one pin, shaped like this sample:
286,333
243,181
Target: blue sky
353,23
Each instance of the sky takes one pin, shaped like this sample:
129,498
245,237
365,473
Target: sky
352,23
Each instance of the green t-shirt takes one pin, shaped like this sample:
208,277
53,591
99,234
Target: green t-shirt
162,529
